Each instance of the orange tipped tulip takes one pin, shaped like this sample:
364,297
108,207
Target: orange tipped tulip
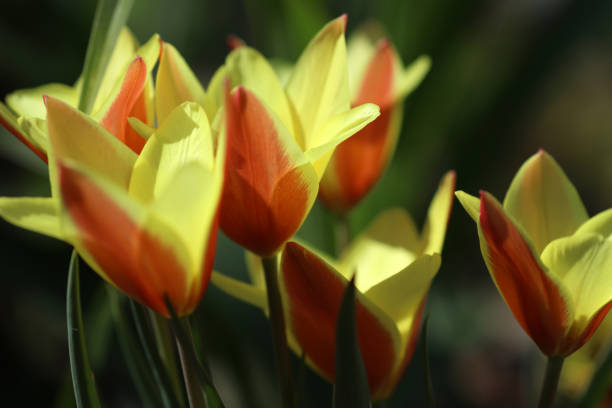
549,261
280,140
377,76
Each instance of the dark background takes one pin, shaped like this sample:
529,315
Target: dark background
508,78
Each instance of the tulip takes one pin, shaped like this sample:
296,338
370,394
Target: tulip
549,261
126,90
137,220
376,75
394,267
280,140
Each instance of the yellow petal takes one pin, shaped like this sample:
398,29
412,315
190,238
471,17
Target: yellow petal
75,136
216,92
583,262
29,102
360,48
438,215
401,295
34,214
318,88
247,67
600,224
336,130
176,83
373,261
412,76
184,137
245,292
144,130
395,227
470,203
543,201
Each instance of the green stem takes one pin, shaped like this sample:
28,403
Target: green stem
431,401
551,380
190,372
279,334
599,386
165,346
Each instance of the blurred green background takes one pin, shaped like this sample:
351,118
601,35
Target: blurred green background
508,78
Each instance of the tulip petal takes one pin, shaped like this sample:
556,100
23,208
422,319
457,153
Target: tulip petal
184,137
75,136
243,291
536,297
583,262
29,102
470,203
270,186
411,77
145,131
176,83
600,224
339,128
105,226
401,295
318,87
543,201
313,292
379,79
247,67
115,115
395,227
438,215
34,214
215,92
25,131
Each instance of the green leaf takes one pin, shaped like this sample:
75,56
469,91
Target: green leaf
133,353
198,378
110,17
351,389
155,363
431,402
85,392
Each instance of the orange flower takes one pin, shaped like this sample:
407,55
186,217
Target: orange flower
377,76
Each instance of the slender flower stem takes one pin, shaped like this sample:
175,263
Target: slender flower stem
190,374
551,380
600,384
279,334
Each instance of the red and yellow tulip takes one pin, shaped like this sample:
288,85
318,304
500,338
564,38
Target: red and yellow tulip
126,91
146,223
394,267
549,261
280,139
376,75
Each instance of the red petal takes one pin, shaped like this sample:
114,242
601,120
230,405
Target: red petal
264,199
379,78
115,120
314,293
534,299
137,262
359,161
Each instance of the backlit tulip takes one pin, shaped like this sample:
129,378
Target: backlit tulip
280,139
549,261
146,223
126,90
394,267
376,75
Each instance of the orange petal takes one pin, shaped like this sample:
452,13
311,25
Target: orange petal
266,194
133,259
313,294
379,77
576,339
359,161
115,120
536,301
